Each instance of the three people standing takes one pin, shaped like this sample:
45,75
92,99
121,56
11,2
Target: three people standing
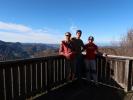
72,49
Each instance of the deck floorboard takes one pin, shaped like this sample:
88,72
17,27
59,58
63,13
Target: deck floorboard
82,90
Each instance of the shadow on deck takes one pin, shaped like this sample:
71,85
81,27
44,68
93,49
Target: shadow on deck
83,90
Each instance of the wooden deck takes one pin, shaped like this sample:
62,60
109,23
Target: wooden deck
83,90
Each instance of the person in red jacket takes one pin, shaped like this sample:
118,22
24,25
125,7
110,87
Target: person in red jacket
91,51
67,49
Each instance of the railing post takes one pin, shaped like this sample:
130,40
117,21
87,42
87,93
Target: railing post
116,71
49,77
126,75
44,75
129,84
2,84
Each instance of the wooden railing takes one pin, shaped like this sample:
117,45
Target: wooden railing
25,78
22,79
118,69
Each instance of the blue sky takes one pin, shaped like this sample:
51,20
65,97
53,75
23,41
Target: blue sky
46,21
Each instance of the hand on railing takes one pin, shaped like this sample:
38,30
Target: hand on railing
104,55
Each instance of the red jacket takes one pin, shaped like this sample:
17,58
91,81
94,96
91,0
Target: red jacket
67,49
91,50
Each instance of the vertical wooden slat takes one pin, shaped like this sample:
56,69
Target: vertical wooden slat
113,67
56,72
39,76
22,80
119,68
126,74
15,81
2,91
103,69
129,87
59,71
121,76
99,69
12,83
49,74
132,76
66,69
49,83
106,69
123,71
5,95
116,71
63,70
28,78
36,68
54,79
61,65
109,69
51,63
8,82
34,74
44,75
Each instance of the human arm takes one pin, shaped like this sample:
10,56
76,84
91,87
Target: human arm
61,49
83,47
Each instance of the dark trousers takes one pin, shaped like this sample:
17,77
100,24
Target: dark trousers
79,63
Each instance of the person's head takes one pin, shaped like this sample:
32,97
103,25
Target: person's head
91,39
67,36
78,33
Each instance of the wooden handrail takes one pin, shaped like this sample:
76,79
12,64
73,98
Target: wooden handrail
120,57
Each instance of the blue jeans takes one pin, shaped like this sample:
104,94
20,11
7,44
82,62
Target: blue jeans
91,73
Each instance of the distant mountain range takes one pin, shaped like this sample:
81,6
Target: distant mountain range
17,50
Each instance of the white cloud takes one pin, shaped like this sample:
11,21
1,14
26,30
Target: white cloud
14,27
11,32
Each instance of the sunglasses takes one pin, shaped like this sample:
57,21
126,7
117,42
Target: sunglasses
68,35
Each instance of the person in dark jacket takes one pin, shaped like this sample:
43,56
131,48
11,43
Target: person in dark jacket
79,48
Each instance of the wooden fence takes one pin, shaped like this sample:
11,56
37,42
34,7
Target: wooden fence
22,79
116,69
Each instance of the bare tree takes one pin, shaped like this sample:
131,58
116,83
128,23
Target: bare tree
126,44
124,48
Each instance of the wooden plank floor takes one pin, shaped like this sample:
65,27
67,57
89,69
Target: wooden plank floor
83,90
